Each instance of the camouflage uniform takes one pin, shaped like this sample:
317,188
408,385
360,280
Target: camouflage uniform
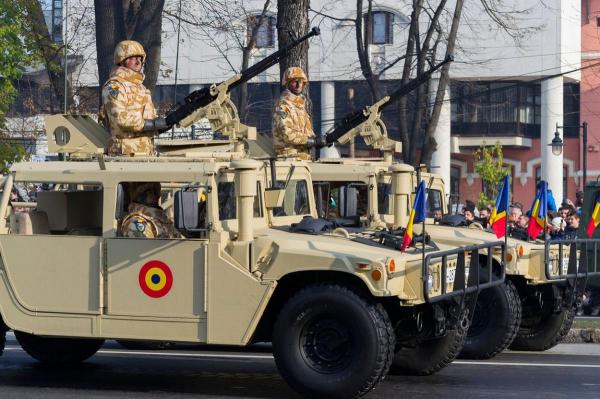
146,220
292,125
127,103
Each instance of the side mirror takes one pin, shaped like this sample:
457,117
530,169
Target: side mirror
187,210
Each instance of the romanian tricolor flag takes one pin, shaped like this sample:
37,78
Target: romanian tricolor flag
594,220
539,211
417,215
499,213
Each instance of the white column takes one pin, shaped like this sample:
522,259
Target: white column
551,114
328,116
440,159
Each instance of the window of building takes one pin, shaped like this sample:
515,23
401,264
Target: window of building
380,28
598,22
454,185
265,34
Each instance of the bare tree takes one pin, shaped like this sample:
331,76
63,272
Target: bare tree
139,20
292,21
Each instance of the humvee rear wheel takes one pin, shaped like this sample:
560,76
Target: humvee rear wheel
430,356
329,342
544,329
62,351
495,323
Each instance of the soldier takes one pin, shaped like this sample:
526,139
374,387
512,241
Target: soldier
145,218
128,107
293,134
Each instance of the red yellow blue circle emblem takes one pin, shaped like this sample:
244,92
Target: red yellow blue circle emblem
155,279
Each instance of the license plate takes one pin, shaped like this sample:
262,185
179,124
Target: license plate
565,265
450,275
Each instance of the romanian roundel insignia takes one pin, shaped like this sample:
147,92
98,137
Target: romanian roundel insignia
155,279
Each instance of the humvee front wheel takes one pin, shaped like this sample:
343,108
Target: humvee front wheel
430,356
542,329
60,351
495,323
330,342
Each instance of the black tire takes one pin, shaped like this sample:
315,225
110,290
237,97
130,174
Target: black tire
495,322
3,330
330,342
432,355
58,351
144,345
545,330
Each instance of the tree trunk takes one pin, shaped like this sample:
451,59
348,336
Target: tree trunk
110,30
405,137
430,145
362,47
146,25
292,18
50,52
246,52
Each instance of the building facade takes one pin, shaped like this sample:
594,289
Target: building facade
504,89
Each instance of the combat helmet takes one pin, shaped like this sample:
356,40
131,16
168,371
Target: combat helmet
294,73
128,48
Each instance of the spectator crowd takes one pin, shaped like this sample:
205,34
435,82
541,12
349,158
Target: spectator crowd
562,222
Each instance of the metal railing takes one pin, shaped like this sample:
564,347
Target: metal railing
582,258
464,283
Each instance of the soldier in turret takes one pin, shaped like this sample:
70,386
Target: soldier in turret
293,133
131,116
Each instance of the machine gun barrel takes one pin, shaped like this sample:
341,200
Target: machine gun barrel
355,118
202,97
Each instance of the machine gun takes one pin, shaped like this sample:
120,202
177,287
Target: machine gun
214,103
367,122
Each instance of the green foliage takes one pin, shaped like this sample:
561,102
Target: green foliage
489,164
15,52
9,154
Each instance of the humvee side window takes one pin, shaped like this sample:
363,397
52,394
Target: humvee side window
384,190
295,201
228,204
58,209
434,204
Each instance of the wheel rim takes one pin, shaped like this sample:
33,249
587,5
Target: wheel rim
326,345
480,322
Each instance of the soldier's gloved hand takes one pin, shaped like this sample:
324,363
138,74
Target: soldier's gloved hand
316,142
155,125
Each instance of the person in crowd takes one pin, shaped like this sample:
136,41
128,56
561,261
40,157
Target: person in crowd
515,212
556,228
572,226
484,216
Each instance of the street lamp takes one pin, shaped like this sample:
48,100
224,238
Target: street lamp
557,145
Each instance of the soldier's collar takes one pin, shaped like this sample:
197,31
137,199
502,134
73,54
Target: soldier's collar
128,74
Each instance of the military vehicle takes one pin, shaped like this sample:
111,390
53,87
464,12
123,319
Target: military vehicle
591,305
332,303
250,268
535,306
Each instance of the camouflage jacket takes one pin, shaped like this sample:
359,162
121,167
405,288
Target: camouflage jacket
292,126
127,103
144,221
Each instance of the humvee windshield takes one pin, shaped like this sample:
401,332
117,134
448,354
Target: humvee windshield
295,201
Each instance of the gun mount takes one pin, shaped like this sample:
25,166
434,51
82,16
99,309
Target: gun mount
215,104
368,124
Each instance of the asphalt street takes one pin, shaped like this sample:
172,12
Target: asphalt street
571,371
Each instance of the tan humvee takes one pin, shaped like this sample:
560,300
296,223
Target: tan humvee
332,303
381,194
